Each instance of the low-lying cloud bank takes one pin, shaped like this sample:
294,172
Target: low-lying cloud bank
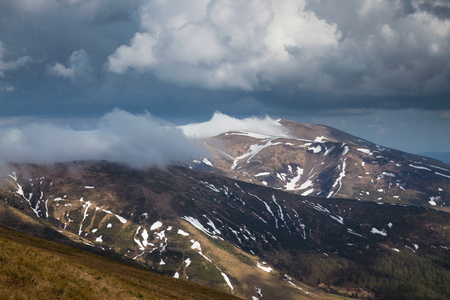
221,123
138,140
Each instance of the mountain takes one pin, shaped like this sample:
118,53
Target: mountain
313,213
249,240
320,161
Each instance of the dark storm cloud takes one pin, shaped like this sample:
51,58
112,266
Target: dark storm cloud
77,56
438,8
383,50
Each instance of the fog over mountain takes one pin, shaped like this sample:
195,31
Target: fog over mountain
221,123
138,140
119,136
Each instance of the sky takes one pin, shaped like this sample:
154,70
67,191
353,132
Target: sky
379,69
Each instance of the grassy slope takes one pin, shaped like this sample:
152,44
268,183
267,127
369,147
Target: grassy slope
33,268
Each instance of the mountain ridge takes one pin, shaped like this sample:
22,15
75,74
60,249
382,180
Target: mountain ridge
141,214
330,163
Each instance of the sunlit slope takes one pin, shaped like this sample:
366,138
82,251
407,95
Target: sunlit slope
33,268
315,160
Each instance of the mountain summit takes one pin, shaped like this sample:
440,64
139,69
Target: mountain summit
325,162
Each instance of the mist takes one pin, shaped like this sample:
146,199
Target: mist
221,123
138,140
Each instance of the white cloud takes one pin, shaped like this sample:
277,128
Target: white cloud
138,55
10,65
60,70
78,67
221,123
258,45
137,140
240,44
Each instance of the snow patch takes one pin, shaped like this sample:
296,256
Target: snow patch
338,180
144,235
121,219
315,149
196,223
346,149
290,184
338,218
196,245
320,139
388,174
308,183
207,162
227,280
182,232
262,174
440,174
252,151
141,247
380,232
366,151
306,193
353,232
156,225
84,215
213,226
263,267
188,262
210,186
420,168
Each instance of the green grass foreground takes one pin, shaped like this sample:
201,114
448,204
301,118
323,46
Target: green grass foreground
33,268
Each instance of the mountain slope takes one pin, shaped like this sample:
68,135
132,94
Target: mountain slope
33,268
184,223
321,161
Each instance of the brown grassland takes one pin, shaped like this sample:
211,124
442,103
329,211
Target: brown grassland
33,268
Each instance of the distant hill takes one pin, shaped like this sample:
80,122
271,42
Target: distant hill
442,156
